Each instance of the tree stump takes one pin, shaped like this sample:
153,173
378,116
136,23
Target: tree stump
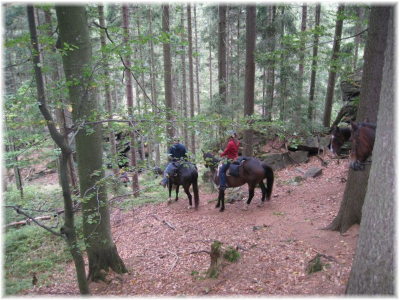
217,259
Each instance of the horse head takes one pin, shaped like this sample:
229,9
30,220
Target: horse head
362,144
210,161
340,135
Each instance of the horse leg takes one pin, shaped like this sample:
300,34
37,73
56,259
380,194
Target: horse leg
221,197
169,190
264,193
187,191
177,191
251,195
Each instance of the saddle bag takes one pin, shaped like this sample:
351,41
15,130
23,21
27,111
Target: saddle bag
234,170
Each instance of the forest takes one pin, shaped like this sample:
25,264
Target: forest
95,95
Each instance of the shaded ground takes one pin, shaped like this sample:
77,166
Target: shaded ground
165,246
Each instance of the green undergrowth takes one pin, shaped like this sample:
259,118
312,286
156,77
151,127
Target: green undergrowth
31,251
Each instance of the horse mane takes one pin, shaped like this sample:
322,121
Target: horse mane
367,124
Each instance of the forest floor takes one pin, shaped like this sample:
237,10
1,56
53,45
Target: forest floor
166,246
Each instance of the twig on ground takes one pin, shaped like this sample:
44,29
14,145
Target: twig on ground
164,222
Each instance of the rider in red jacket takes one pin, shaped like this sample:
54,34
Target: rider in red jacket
231,152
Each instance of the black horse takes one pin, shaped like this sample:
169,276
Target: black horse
252,172
184,174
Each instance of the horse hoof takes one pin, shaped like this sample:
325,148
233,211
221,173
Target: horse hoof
216,206
169,201
221,210
261,204
190,207
245,207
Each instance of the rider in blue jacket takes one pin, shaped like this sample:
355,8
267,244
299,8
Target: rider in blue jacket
177,152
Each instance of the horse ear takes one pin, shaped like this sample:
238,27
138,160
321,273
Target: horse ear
354,126
366,120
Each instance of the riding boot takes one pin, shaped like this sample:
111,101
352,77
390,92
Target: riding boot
222,188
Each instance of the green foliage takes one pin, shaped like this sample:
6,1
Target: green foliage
231,254
31,250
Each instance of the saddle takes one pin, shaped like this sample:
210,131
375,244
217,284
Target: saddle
173,170
234,168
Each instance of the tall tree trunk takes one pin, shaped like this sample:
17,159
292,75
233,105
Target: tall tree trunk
357,41
167,72
373,270
111,133
153,86
250,77
283,72
311,109
68,230
197,61
332,70
129,97
184,91
299,101
353,199
191,84
222,53
101,250
271,62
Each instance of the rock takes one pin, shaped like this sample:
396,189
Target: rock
313,172
281,161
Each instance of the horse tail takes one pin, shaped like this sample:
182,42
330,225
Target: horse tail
269,175
195,176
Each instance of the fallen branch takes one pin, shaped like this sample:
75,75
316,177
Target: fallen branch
201,251
164,222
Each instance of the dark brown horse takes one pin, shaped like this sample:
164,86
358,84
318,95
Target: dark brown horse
339,136
252,172
184,174
362,144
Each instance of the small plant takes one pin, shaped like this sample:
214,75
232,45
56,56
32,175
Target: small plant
231,254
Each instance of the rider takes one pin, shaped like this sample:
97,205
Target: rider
177,152
231,152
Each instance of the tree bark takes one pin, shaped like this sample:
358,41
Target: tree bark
373,267
167,72
222,53
311,109
101,250
69,226
332,71
191,81
250,78
350,211
184,89
129,97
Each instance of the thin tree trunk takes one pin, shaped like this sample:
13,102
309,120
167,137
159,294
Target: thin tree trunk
191,84
271,62
153,86
222,53
167,73
357,41
332,70
311,109
250,77
129,96
197,61
184,91
298,111
108,90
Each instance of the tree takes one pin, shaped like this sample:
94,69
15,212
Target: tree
222,53
373,267
191,83
68,231
76,48
167,70
129,98
350,211
250,77
311,109
333,66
